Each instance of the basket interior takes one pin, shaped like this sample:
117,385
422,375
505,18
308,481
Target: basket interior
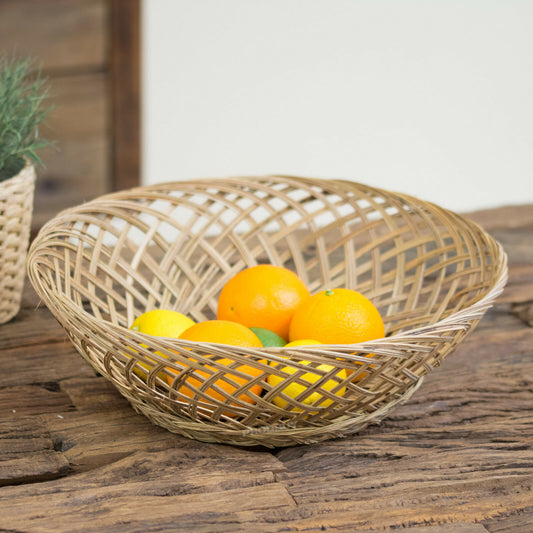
174,246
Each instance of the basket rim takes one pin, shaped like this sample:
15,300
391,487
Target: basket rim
26,173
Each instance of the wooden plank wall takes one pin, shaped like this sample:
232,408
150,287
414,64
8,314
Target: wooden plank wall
70,40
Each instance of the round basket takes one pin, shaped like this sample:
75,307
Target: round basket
16,208
431,273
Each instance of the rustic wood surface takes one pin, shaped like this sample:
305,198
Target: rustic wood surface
91,60
458,457
126,92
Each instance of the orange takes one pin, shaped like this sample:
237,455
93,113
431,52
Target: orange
337,316
221,332
263,296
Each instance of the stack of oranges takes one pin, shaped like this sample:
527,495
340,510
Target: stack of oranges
266,306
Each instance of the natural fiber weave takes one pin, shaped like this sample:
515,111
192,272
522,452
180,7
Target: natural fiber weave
431,273
16,208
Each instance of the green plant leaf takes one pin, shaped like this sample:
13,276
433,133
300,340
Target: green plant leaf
23,107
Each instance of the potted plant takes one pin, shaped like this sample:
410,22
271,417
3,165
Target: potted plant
23,94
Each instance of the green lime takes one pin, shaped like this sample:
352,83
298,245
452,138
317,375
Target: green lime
269,338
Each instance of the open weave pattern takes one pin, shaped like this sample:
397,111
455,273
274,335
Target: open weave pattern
431,273
16,208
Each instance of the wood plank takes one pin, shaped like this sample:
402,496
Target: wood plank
103,447
34,400
22,436
72,42
154,481
519,288
77,169
81,108
93,395
117,509
518,522
518,250
45,328
126,92
505,217
37,467
60,34
102,413
454,527
48,364
414,508
77,174
27,452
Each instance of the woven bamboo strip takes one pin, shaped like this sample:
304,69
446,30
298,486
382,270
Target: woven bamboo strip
16,208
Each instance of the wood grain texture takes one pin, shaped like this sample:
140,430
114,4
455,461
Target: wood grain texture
89,52
69,42
59,34
458,457
125,62
524,311
77,169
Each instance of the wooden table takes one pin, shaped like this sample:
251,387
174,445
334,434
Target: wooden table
458,457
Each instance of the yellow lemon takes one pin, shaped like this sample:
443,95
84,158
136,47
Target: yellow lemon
302,342
294,389
160,323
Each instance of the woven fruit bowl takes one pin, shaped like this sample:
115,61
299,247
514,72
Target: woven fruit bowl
431,273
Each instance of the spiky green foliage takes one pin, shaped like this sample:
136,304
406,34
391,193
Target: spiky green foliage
23,96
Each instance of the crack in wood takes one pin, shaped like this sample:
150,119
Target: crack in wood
524,311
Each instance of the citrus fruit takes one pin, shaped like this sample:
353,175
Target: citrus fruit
228,382
302,342
295,388
337,316
159,323
269,338
221,332
162,323
264,296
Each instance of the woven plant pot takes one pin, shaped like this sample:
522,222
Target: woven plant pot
431,273
16,209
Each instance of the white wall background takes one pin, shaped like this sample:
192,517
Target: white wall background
432,98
